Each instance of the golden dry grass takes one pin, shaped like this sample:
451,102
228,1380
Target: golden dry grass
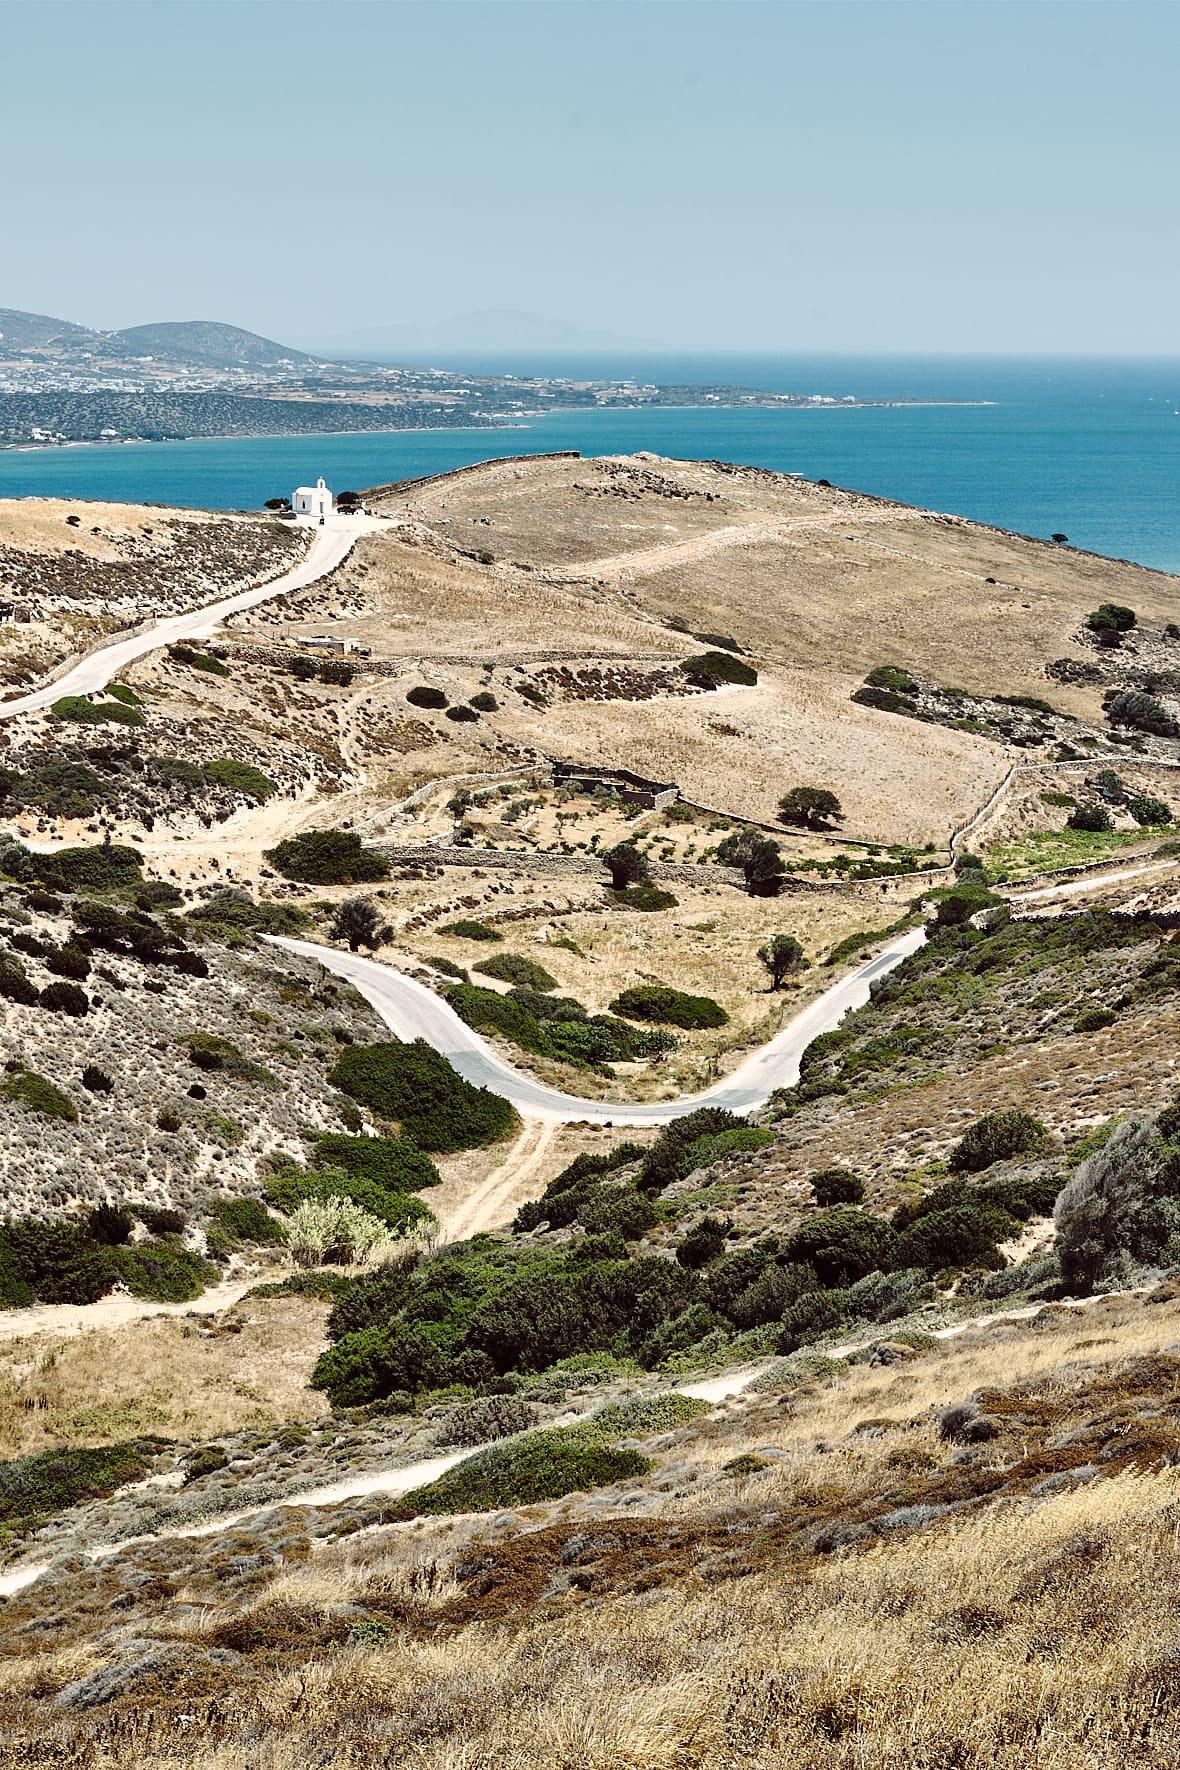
38,525
190,1378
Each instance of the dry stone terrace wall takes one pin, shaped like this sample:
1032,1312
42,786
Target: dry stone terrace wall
438,855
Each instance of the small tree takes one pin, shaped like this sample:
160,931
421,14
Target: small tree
1109,622
1147,810
781,955
626,865
811,808
1140,711
1096,1210
759,859
358,923
837,1186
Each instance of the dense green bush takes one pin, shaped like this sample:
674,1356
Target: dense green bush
1133,708
392,1163
415,1087
1094,1019
515,968
1147,810
483,702
703,1244
462,715
758,859
884,700
198,660
1109,621
956,906
290,1186
664,1006
837,1186
996,1137
489,1011
51,1481
58,1261
163,1271
327,857
843,1245
1093,818
542,1465
961,1236
426,697
233,909
214,1054
78,709
892,676
810,808
240,777
64,998
712,668
469,930
38,1094
247,1221
643,897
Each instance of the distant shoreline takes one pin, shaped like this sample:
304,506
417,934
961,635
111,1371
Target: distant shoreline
116,442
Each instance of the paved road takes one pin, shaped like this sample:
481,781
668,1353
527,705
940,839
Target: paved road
412,1011
332,543
1094,881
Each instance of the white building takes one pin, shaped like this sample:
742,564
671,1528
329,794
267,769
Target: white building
312,500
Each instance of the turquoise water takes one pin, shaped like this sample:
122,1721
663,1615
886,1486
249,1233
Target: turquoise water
1088,449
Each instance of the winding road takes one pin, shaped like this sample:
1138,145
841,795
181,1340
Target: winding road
412,1011
332,544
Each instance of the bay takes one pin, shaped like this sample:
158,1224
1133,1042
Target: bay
1090,449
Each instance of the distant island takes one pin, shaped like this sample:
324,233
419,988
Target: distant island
64,383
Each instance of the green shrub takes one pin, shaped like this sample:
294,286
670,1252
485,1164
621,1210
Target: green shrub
51,1481
81,711
417,1088
64,998
1093,818
233,909
103,867
997,1137
703,1244
884,700
489,1011
485,702
212,1053
642,897
198,660
327,857
1031,703
38,1094
514,968
1140,712
758,858
843,1245
109,1226
336,673
1094,1019
119,691
956,906
1109,621
664,1006
240,777
164,1272
837,1186
810,808
1146,810
539,1466
462,715
393,1163
426,697
468,930
57,1261
892,676
400,1212
15,984
712,668
961,1236
247,1221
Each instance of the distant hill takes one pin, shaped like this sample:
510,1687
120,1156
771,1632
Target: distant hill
21,332
206,344
209,343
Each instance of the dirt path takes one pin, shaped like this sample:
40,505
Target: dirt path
492,1205
623,568
115,1310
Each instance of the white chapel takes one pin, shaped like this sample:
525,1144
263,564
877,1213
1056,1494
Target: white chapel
312,500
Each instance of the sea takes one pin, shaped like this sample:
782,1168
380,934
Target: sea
1087,448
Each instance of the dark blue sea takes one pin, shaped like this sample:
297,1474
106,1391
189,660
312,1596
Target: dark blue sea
1089,448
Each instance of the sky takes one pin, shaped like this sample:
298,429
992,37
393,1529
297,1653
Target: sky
992,176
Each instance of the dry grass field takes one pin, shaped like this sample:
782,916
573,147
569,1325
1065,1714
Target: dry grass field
815,1573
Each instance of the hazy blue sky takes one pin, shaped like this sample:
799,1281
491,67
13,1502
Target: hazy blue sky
986,175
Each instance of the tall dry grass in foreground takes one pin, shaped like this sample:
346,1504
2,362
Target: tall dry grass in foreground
1036,1637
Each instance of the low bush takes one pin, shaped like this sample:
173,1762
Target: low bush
97,1081
163,1271
57,1261
327,857
539,1466
247,1221
515,968
79,710
843,1245
233,909
1094,1019
198,660
212,1053
837,1186
997,1137
892,676
468,930
392,1163
703,1244
462,715
38,1094
334,1231
400,1212
664,1006
64,998
240,777
415,1087
642,897
426,697
1094,819
1138,711
51,1481
1147,810
712,668
483,702
884,700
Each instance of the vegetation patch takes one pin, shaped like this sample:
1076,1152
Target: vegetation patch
413,1086
77,709
327,857
664,1006
539,1466
51,1482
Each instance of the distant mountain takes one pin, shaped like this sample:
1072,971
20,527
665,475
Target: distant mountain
489,328
206,344
38,332
209,344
